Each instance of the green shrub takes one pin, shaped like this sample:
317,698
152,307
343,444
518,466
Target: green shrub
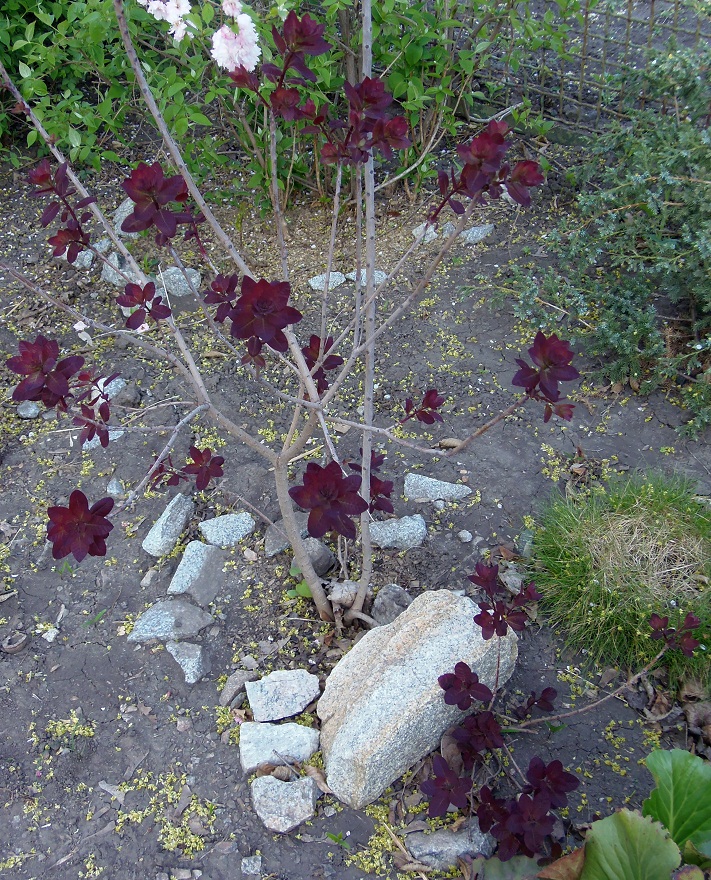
638,249
606,561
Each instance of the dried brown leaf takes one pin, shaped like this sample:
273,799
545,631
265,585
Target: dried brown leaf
318,777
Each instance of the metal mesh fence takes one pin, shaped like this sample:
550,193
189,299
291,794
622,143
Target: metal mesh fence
567,82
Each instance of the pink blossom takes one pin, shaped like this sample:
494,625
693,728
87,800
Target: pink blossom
231,50
233,8
172,11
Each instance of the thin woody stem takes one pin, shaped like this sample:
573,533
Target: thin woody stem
329,262
522,401
78,185
170,144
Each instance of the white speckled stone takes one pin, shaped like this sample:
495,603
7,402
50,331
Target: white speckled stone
165,532
402,534
227,530
419,486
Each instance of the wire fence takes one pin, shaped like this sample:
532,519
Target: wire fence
566,81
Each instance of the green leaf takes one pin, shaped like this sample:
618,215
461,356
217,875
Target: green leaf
199,118
294,571
208,13
628,846
25,71
413,53
302,588
31,137
73,137
682,799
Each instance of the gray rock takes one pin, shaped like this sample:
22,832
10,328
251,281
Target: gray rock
166,530
114,387
192,659
282,694
465,537
28,409
169,620
83,260
235,685
419,486
199,572
111,274
318,282
283,805
275,539
95,442
251,866
273,743
228,530
475,234
441,849
115,488
525,543
321,557
390,602
124,209
172,281
378,277
382,709
448,229
430,233
402,534
102,245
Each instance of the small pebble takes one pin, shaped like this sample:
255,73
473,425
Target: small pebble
465,537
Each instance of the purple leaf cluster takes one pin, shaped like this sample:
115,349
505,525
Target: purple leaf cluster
503,611
673,637
202,464
445,788
522,825
486,173
313,352
544,702
427,410
551,357
94,408
79,529
72,238
261,313
144,302
153,194
331,499
380,490
46,377
462,687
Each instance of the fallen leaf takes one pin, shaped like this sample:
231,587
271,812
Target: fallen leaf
250,555
608,675
692,690
505,553
113,790
283,773
451,753
6,596
449,443
318,777
569,867
405,862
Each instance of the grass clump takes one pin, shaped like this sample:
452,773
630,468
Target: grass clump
606,561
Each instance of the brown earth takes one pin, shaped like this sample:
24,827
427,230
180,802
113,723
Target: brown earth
59,815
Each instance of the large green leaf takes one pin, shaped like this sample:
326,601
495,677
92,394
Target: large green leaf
682,799
628,846
517,868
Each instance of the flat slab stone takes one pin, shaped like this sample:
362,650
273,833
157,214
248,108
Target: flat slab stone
475,234
283,805
28,409
321,557
192,659
378,277
441,849
166,530
383,710
282,694
402,534
275,539
273,743
228,530
318,282
169,620
199,573
111,274
389,603
419,486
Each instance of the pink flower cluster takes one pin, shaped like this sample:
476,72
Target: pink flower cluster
172,11
232,50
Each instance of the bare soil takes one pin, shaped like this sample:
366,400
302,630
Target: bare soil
59,815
